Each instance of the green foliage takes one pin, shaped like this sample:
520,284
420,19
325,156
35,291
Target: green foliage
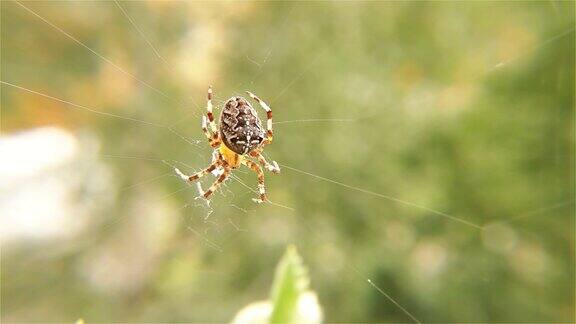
290,283
291,301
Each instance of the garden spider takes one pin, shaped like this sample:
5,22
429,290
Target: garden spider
240,135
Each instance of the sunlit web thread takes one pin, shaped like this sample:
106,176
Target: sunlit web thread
113,156
304,71
254,191
154,49
234,224
205,220
534,48
253,61
148,180
182,137
206,207
268,53
245,211
531,213
316,120
118,219
383,293
82,106
206,240
376,194
141,33
497,66
99,55
103,113
151,179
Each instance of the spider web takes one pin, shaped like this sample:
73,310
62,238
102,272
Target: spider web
216,226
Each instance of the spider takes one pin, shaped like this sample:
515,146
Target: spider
240,136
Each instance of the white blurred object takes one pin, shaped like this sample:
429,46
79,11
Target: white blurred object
308,311
41,173
28,153
126,261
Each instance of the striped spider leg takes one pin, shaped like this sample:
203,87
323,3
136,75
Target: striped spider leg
212,134
219,162
269,131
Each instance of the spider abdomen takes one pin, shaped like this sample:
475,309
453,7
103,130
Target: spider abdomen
240,127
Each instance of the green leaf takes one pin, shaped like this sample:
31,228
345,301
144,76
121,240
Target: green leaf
290,283
291,301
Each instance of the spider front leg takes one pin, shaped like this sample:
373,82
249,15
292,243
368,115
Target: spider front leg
213,138
269,131
212,135
272,167
200,174
261,187
209,111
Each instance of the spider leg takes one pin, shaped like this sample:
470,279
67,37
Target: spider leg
261,187
213,138
272,167
206,194
216,163
209,111
269,131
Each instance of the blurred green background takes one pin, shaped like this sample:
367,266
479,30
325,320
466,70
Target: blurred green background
463,108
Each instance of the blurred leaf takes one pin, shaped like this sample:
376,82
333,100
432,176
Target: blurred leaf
291,301
290,282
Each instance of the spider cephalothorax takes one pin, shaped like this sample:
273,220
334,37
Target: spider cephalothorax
240,136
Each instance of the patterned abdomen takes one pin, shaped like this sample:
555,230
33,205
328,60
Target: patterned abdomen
240,127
